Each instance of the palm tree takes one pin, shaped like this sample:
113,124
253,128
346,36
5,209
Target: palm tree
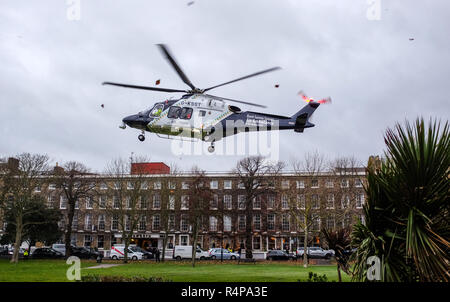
406,215
339,241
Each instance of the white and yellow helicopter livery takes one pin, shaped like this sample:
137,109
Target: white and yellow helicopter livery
207,117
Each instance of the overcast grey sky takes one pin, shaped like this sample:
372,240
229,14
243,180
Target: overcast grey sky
52,69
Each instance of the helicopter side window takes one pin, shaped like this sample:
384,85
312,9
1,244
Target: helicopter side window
186,113
157,110
174,112
202,113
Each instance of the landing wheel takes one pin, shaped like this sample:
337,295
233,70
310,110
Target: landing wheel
211,148
141,137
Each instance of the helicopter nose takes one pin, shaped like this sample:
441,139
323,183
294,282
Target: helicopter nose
135,121
129,120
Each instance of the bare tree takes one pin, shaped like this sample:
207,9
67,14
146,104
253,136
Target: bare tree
344,169
74,182
17,190
126,192
257,177
302,200
199,197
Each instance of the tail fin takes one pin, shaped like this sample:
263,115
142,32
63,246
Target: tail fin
301,118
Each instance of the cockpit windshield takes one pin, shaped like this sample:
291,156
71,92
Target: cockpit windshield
157,110
154,111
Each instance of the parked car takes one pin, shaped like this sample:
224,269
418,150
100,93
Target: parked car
185,252
279,255
4,250
315,252
136,249
60,247
300,251
350,251
46,253
11,251
117,252
293,255
85,252
216,253
145,254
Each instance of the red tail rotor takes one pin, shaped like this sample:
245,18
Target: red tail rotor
308,99
325,101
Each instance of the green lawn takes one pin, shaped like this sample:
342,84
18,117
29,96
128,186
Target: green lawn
55,270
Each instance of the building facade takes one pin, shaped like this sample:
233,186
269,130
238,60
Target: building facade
328,200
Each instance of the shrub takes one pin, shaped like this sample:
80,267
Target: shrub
99,278
408,201
313,277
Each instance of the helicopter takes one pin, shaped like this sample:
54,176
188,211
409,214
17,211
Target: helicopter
207,117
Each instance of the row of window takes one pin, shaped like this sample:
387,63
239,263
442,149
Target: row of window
184,113
270,244
285,184
142,202
213,222
344,183
214,184
90,225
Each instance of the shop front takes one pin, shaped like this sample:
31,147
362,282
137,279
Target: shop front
147,241
152,241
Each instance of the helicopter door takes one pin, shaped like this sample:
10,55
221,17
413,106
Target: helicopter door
174,112
180,117
199,118
172,118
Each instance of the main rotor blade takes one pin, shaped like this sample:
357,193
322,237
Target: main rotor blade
246,77
236,101
175,65
143,87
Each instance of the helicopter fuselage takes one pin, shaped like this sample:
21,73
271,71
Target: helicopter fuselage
211,119
197,114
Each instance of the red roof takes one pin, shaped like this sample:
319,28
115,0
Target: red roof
150,168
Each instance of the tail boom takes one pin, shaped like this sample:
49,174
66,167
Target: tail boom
301,118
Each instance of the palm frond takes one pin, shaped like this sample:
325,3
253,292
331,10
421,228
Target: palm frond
408,205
